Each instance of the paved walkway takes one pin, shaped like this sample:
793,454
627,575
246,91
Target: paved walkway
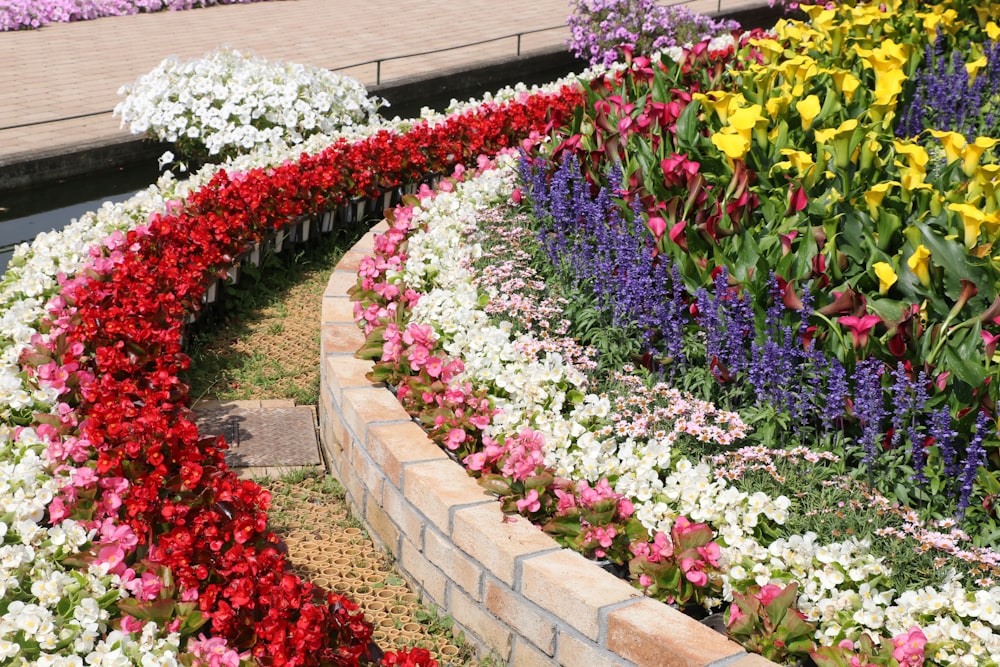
59,83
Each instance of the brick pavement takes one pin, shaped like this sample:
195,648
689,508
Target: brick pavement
74,69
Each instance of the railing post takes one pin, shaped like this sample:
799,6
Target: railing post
378,72
519,45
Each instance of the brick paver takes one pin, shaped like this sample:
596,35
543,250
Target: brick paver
73,69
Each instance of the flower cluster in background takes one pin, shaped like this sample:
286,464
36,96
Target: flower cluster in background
227,103
601,30
26,14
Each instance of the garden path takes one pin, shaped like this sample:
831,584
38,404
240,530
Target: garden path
60,82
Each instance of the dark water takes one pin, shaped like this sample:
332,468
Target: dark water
25,214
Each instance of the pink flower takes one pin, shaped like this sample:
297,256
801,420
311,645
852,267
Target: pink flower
860,327
131,624
768,592
456,437
529,503
909,647
657,226
692,571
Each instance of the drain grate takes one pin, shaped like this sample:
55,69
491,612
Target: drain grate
263,437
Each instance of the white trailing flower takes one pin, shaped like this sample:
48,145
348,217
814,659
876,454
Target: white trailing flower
226,101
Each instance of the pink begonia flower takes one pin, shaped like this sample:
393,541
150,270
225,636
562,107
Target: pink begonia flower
645,581
625,508
566,501
114,556
767,593
131,624
909,647
660,548
456,437
692,571
516,196
711,553
57,510
530,502
434,366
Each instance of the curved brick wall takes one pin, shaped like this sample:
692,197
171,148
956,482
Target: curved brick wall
507,584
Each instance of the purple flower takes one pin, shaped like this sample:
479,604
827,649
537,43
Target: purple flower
975,456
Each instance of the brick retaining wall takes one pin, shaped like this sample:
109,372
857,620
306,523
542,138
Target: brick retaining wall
507,584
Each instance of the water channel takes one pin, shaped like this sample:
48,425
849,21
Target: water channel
25,214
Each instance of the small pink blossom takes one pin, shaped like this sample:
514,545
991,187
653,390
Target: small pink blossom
529,503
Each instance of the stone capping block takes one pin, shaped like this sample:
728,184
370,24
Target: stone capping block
437,488
499,545
580,614
392,446
633,631
567,584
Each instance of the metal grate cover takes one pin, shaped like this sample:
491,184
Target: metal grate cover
263,437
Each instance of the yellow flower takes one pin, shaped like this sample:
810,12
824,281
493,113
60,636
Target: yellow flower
888,62
808,108
733,144
916,155
800,160
992,31
920,263
972,152
840,137
886,276
777,106
952,142
845,82
722,103
833,133
973,67
876,194
972,220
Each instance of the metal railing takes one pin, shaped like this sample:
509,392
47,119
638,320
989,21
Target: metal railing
378,61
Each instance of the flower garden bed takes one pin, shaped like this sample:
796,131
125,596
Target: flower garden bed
510,586
746,225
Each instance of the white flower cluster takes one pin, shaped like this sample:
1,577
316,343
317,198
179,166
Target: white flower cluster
226,100
842,586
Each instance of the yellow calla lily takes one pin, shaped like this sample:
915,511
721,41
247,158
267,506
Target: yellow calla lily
808,109
951,142
840,138
920,264
916,155
719,102
973,67
801,160
972,220
886,276
845,82
973,151
733,144
876,194
992,31
777,106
